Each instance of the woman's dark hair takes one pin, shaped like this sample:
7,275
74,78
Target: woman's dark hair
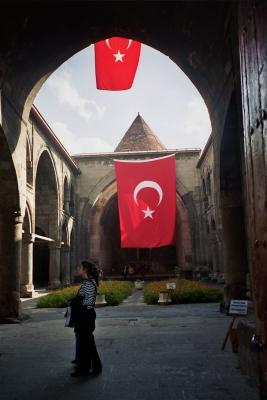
91,270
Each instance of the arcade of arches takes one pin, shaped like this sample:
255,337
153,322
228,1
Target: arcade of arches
221,47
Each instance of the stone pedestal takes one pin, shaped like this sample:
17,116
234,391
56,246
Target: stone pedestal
139,285
26,285
100,300
164,298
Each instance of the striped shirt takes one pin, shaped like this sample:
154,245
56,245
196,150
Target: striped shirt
88,291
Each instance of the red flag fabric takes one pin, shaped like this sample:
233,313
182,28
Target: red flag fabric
147,202
116,61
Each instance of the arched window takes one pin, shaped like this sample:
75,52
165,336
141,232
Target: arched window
29,175
65,202
205,196
208,184
72,200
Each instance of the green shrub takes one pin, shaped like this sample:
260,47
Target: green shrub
185,292
115,292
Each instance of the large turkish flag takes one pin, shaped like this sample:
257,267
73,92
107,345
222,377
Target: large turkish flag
147,202
116,61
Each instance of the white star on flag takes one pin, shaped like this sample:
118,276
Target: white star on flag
118,56
148,213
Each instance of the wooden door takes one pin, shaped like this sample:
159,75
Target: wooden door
253,66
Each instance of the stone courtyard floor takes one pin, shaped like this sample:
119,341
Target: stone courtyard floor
148,353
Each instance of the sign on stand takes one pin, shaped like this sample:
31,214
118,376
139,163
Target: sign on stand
171,285
238,308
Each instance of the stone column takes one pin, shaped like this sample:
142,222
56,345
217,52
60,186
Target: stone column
16,267
10,260
65,265
54,265
26,285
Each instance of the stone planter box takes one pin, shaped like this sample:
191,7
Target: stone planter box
139,284
100,300
164,298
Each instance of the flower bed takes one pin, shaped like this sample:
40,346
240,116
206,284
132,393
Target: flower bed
115,292
185,292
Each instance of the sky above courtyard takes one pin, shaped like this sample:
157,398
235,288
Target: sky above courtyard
88,120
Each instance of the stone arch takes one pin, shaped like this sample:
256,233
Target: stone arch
95,218
49,191
45,149
46,222
24,74
100,245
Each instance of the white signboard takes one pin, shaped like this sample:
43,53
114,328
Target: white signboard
171,285
238,307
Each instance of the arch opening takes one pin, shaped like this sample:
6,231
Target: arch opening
104,243
46,221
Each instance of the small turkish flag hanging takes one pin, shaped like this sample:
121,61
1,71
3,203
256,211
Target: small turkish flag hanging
116,61
147,202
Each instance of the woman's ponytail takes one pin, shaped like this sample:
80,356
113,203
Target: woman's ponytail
91,270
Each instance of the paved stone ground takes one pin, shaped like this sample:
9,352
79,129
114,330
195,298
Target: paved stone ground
148,353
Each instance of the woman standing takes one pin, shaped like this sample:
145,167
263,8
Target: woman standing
83,314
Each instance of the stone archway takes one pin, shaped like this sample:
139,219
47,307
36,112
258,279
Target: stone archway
25,72
47,218
41,260
104,240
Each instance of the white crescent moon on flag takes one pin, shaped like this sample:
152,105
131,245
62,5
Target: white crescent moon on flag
148,184
107,42
129,44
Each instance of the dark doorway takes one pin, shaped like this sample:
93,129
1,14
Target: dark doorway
145,262
41,254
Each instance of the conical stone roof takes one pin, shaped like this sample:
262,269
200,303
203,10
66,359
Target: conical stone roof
139,137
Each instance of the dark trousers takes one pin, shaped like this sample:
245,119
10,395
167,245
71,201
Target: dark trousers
86,353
